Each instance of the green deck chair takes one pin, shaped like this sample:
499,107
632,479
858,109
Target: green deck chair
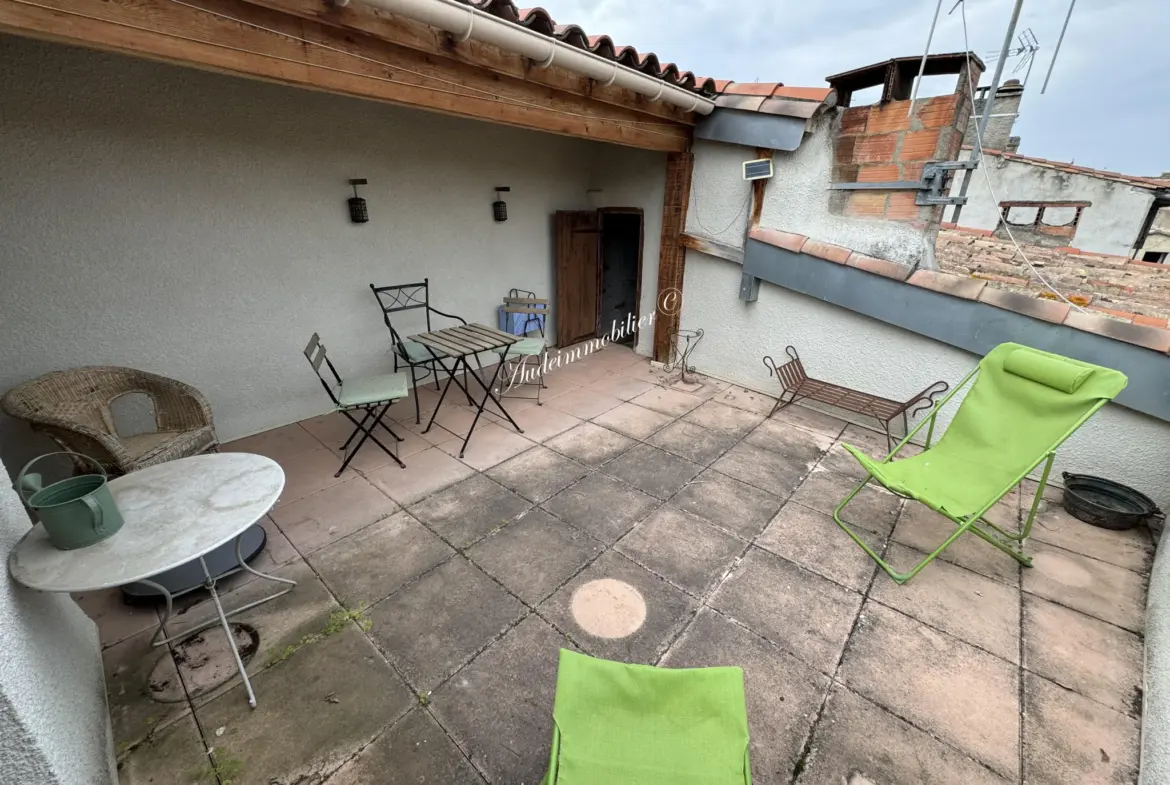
1022,406
641,725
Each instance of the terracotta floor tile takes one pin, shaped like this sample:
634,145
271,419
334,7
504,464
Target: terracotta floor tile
427,472
489,445
278,444
330,429
620,386
584,403
1109,593
961,694
632,420
329,515
309,472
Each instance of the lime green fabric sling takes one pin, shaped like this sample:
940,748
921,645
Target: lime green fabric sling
618,724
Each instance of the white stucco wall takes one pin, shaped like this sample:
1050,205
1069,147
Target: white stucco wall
1110,224
853,350
54,725
720,203
195,225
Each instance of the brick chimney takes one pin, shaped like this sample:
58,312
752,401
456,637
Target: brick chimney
1004,112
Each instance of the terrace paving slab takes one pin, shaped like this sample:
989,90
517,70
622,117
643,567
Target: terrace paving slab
814,541
667,610
583,403
715,416
686,550
924,530
499,708
632,420
358,571
490,444
137,674
747,400
534,555
172,755
969,606
872,509
1132,549
620,386
783,694
435,625
672,403
737,507
287,441
538,474
1101,590
857,742
115,619
1069,738
314,710
769,471
602,507
307,472
541,423
468,510
327,516
1078,652
652,471
959,693
838,459
426,472
415,751
811,420
805,446
693,442
775,598
590,445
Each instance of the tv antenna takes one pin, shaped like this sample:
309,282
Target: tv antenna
1029,45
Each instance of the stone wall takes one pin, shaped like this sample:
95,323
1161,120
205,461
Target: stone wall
1137,292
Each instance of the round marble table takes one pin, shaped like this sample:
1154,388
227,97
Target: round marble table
174,512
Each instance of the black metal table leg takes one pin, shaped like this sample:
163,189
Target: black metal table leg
487,389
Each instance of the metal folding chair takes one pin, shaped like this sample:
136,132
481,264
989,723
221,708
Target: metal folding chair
408,297
372,394
533,310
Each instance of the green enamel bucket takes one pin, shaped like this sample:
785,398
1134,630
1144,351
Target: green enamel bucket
76,512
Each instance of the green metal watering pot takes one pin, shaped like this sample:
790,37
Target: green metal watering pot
76,512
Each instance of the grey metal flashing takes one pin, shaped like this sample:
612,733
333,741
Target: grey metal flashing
752,129
965,324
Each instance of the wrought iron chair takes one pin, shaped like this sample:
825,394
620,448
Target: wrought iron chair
73,408
372,394
408,297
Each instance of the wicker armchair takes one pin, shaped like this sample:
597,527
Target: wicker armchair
73,408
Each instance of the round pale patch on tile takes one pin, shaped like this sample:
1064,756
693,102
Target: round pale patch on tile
608,608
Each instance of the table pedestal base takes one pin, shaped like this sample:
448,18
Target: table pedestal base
221,616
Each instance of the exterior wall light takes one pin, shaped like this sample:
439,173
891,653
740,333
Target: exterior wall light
499,206
357,205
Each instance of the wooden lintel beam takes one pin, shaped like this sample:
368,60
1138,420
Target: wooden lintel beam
225,36
711,247
416,35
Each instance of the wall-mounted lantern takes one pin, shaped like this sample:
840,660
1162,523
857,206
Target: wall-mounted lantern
499,206
357,205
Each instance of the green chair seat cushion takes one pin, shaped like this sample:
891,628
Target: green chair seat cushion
415,352
618,723
527,347
373,389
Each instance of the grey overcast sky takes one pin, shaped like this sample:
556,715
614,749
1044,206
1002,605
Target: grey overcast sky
1107,106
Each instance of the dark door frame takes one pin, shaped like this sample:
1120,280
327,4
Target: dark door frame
638,211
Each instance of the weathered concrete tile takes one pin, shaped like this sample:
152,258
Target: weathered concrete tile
1096,659
715,416
116,621
278,444
682,548
728,503
797,610
583,403
415,751
139,678
489,445
1109,593
315,710
924,529
672,403
643,370
632,420
700,386
468,510
858,743
602,507
811,420
541,423
840,461
747,400
327,516
426,472
173,754
814,541
873,509
538,474
310,471
961,694
786,439
654,609
783,694
534,555
499,708
777,474
653,471
1132,549
620,386
693,442
438,623
973,608
377,561
590,445
1069,738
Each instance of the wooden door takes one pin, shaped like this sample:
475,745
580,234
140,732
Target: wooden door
578,272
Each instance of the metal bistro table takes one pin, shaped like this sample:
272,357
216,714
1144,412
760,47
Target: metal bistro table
457,344
174,512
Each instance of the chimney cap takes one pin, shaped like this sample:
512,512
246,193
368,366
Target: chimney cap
1011,86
